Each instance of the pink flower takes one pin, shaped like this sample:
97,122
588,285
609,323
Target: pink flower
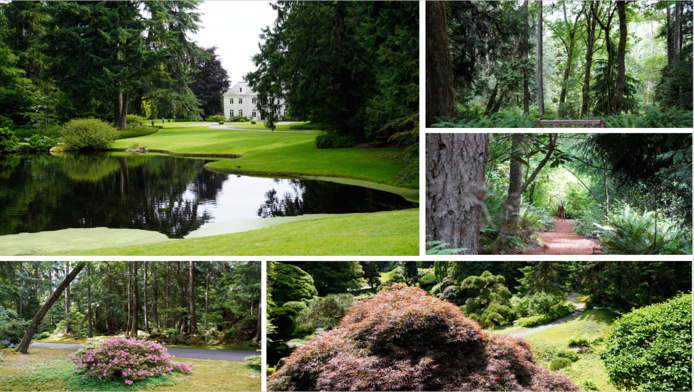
128,382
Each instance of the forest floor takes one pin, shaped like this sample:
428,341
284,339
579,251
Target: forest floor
45,369
563,240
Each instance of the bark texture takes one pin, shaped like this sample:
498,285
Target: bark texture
456,164
440,96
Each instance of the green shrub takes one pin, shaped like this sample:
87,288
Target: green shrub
8,141
299,306
216,118
569,354
556,312
292,284
221,122
88,134
651,348
254,362
41,144
283,318
533,305
239,119
589,385
427,281
326,312
534,218
43,335
11,328
253,121
133,119
584,341
631,232
559,363
332,139
6,122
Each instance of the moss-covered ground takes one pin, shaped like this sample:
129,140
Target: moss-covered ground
52,370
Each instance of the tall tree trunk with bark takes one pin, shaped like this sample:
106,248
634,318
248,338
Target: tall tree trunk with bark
144,298
168,294
540,80
440,97
155,294
456,165
590,42
24,344
193,328
525,50
89,300
134,326
21,291
610,54
207,293
621,54
68,328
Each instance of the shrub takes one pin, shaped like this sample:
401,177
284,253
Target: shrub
325,312
332,139
253,122
216,118
133,119
533,305
283,320
291,283
393,277
487,300
6,122
131,359
239,119
42,144
631,232
43,335
8,141
298,306
254,362
88,134
427,281
556,312
559,363
569,354
11,328
221,122
651,348
589,385
404,339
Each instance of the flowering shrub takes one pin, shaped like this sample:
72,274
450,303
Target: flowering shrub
131,359
405,339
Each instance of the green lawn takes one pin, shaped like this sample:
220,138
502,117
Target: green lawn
274,153
592,325
294,127
44,369
387,233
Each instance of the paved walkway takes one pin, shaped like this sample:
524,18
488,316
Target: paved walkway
199,353
580,308
563,240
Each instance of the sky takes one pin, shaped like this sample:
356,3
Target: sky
234,28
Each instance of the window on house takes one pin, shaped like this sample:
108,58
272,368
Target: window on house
240,89
231,113
240,100
253,100
241,112
253,114
231,100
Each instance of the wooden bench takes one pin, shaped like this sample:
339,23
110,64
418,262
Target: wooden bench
560,123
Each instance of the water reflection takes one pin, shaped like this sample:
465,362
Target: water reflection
173,196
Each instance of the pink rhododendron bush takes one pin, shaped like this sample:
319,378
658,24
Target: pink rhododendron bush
131,359
405,339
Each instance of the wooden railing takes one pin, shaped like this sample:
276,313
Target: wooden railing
560,123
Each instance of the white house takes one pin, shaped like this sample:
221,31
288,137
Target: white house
242,100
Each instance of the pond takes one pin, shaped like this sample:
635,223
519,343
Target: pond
173,196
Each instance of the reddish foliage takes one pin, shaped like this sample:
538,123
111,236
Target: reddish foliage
405,339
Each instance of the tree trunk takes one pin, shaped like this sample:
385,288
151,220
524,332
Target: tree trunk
144,298
492,100
456,165
155,294
193,328
610,55
67,329
621,54
168,294
512,204
526,77
677,33
207,292
440,97
590,42
133,328
89,300
24,345
540,79
669,31
21,291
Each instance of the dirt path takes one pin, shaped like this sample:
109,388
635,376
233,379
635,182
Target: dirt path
200,353
580,308
563,240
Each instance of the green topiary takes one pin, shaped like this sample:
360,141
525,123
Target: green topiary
651,347
88,134
332,139
559,363
8,141
291,283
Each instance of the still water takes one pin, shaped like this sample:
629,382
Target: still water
174,196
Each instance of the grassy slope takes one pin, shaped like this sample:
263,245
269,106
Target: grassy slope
375,234
274,153
592,324
51,369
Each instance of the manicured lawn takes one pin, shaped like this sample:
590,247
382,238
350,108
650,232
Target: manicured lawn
377,234
295,127
592,325
274,153
51,369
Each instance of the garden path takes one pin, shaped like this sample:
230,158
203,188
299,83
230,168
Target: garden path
198,353
563,240
580,308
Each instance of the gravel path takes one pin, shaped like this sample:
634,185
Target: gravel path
199,353
563,240
580,308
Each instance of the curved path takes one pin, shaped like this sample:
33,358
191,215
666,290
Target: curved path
563,240
199,353
580,308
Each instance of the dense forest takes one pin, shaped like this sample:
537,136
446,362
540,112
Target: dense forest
177,302
627,193
66,60
329,326
509,63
